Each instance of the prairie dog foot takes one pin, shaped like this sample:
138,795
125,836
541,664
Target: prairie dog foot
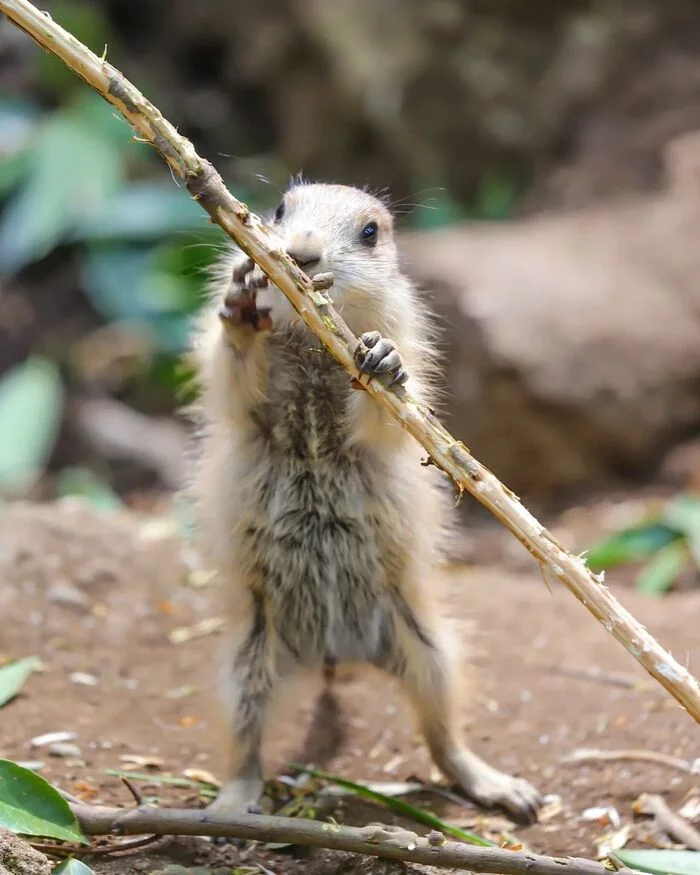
488,787
239,307
238,797
382,360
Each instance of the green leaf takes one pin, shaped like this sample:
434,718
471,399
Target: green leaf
127,283
420,815
88,23
18,122
31,400
71,866
86,484
440,210
144,211
630,545
31,806
13,168
662,570
73,167
203,788
661,861
90,110
496,198
683,514
13,676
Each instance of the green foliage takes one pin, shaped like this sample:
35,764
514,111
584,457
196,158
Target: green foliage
71,167
495,200
31,806
31,397
87,485
144,211
662,570
71,866
667,543
13,676
76,178
419,815
661,861
146,284
89,25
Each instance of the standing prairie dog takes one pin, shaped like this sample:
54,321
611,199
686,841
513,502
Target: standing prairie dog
312,501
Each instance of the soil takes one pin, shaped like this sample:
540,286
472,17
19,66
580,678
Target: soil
101,595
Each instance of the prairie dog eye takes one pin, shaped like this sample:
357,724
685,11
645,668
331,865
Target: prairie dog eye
279,212
368,235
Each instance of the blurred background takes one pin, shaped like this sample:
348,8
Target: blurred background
545,172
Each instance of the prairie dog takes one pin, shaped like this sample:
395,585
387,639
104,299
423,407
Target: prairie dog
312,501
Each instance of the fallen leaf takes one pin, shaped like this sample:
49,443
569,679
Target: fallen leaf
83,679
691,808
550,809
52,738
183,634
603,815
64,749
662,862
158,529
137,761
14,675
180,692
202,776
85,791
200,577
612,841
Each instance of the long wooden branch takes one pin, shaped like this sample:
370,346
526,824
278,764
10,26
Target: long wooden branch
372,840
314,307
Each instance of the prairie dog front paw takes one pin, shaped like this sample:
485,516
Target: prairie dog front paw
239,310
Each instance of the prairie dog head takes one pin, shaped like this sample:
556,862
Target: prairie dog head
337,228
346,231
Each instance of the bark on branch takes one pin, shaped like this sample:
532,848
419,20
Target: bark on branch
314,307
372,840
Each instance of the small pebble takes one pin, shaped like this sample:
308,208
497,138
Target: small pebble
32,765
64,749
83,678
51,738
65,593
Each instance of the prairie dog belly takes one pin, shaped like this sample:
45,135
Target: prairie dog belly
313,543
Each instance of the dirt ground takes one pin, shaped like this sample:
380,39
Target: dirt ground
102,597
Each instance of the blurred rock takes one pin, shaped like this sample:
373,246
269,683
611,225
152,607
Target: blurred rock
574,339
18,857
413,94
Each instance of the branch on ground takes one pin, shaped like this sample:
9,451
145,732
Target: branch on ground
374,840
314,306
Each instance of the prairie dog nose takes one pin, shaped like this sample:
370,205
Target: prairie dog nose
305,247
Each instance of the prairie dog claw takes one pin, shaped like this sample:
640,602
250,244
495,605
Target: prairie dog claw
382,361
239,307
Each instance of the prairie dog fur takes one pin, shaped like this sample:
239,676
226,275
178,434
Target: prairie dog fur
312,502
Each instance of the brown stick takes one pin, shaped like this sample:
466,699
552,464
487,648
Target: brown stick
314,307
671,823
592,755
373,840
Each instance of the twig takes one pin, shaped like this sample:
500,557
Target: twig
614,679
314,307
586,755
671,823
138,798
373,840
96,851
